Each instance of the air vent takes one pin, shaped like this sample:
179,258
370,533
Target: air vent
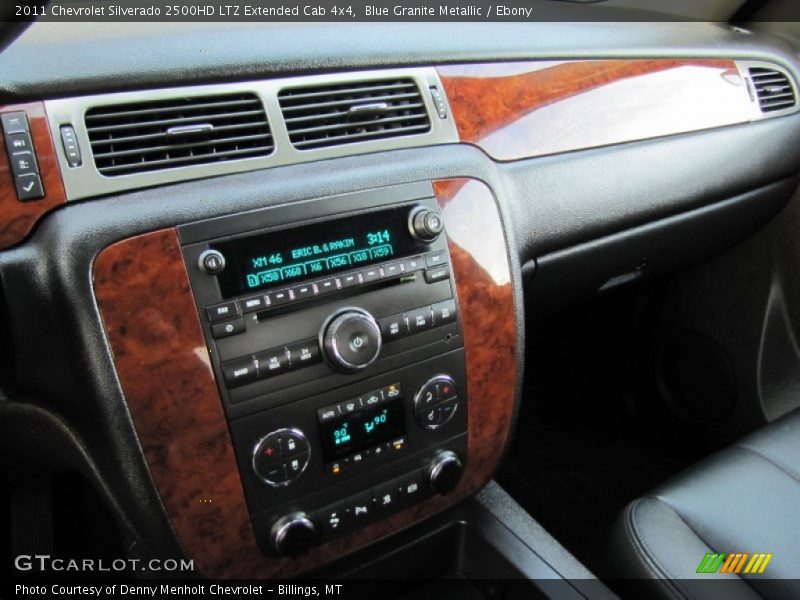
773,89
165,134
332,115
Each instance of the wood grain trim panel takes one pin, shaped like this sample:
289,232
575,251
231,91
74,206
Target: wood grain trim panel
17,219
153,328
526,109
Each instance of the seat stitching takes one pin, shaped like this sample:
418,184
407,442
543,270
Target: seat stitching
663,577
779,464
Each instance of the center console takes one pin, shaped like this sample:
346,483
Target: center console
308,378
333,330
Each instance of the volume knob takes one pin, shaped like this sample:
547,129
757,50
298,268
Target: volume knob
425,224
293,535
352,340
445,472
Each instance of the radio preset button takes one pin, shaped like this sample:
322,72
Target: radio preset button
393,270
227,328
226,310
413,264
302,292
239,371
348,281
280,298
272,362
370,275
326,286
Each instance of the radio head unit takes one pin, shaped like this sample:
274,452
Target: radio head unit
336,344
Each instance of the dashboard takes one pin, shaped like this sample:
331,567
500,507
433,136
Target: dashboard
282,314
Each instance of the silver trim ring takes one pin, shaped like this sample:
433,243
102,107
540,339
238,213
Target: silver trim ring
256,448
330,329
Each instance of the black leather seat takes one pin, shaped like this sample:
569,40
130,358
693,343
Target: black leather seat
745,499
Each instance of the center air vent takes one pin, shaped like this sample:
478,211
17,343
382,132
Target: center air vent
164,134
773,89
331,115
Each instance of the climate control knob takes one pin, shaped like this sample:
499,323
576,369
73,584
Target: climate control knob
351,340
425,224
293,535
445,472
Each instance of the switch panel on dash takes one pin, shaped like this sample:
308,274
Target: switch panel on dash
22,156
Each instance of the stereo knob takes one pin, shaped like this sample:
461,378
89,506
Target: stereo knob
211,262
352,340
293,535
445,472
425,224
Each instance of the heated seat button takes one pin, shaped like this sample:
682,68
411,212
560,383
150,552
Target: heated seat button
228,328
305,353
239,371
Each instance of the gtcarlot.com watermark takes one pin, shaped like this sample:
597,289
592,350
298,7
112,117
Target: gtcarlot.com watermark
45,563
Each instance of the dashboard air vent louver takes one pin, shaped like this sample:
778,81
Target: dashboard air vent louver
332,115
178,132
773,89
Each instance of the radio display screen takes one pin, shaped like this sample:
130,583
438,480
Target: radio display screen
282,258
363,429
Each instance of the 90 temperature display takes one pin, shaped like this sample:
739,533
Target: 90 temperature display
361,430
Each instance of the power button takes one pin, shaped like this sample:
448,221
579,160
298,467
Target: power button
211,262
